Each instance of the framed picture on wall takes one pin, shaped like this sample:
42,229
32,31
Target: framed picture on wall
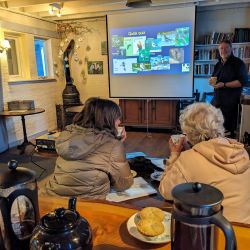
104,48
95,67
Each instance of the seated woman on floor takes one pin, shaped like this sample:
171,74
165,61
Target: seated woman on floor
213,159
91,157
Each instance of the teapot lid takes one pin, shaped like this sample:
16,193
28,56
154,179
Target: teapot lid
61,220
196,196
15,176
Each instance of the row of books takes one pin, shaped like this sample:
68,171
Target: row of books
242,52
203,69
217,37
206,54
207,69
248,68
241,35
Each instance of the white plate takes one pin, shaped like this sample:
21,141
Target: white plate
162,238
156,176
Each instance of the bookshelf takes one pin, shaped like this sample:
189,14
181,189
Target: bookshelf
206,56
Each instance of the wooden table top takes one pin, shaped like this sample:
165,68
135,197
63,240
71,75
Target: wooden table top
108,222
22,112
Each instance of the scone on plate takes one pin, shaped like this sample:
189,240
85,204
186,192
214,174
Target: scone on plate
153,213
149,227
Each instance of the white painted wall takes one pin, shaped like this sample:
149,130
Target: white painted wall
89,50
45,94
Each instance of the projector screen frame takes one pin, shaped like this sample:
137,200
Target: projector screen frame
191,88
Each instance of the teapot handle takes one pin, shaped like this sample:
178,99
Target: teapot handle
4,224
220,221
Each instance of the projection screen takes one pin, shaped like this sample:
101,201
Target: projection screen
151,53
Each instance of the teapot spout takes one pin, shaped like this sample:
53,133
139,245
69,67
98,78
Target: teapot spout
72,203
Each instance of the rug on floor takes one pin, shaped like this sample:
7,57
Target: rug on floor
43,166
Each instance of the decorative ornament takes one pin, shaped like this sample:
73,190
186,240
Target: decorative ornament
67,65
79,29
76,59
83,73
60,52
66,59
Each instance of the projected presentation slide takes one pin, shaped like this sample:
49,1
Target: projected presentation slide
155,49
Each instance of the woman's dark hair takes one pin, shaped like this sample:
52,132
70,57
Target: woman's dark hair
99,114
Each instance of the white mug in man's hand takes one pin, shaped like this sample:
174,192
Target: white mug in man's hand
213,80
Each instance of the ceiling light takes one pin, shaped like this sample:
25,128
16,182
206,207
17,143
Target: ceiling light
138,3
55,8
51,10
4,45
59,13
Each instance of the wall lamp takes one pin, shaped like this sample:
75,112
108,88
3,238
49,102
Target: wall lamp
4,45
55,8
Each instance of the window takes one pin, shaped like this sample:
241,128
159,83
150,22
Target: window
41,58
26,63
12,58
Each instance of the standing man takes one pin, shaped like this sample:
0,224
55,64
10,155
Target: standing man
231,75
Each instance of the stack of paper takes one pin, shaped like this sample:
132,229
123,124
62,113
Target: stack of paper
140,188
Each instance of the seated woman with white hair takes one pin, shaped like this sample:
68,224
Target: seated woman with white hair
212,159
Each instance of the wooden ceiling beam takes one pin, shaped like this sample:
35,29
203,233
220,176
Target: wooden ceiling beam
30,3
89,9
26,3
71,7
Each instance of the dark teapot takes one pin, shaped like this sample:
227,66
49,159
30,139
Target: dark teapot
62,229
196,214
19,213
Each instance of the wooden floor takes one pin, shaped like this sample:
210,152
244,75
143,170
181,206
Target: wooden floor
152,144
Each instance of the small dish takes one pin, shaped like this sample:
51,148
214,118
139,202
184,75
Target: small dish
162,238
134,173
156,176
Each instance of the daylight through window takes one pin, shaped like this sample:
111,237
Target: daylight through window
41,59
12,57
